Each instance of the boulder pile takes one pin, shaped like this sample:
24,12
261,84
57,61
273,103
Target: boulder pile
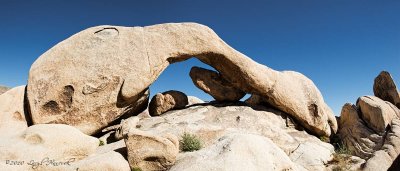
370,129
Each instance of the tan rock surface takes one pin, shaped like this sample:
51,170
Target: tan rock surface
12,113
212,83
378,114
237,152
169,100
385,88
110,161
106,69
211,122
150,152
359,139
383,159
50,143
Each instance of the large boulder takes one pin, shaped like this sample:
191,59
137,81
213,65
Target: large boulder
383,158
378,114
237,152
169,100
106,69
385,88
45,147
110,161
151,152
356,136
212,83
12,113
58,147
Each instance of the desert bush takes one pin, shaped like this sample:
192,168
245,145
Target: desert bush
101,143
190,142
136,169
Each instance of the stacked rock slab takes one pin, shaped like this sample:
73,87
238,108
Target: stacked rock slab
106,69
359,139
378,114
370,130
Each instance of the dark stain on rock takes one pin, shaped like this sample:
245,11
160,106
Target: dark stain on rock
51,107
313,108
67,96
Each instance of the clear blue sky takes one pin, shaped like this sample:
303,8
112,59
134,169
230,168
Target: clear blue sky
340,45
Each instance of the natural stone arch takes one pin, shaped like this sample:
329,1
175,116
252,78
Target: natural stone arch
118,64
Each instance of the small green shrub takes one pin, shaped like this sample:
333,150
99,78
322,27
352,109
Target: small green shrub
324,139
190,142
341,158
342,149
101,143
136,169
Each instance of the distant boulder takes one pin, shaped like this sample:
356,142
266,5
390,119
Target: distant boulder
163,102
385,88
3,89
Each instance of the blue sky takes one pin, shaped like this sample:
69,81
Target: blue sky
341,45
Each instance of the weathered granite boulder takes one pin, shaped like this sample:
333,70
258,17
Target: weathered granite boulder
107,69
169,100
49,144
385,88
12,113
378,114
356,136
214,84
383,159
151,152
57,147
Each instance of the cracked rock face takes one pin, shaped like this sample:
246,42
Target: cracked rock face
101,73
359,139
383,158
